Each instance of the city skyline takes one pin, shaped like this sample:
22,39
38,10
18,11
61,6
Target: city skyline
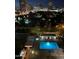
56,3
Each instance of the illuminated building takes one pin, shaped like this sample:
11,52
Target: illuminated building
25,8
23,5
50,5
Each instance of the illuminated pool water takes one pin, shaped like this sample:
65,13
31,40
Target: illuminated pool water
48,45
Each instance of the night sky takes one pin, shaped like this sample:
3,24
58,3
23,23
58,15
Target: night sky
57,3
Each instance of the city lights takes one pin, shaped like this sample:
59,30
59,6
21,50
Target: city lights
39,29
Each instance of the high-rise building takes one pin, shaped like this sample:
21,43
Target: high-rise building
23,5
50,5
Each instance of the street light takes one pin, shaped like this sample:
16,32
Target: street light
37,39
34,52
27,21
49,19
19,18
54,37
43,19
